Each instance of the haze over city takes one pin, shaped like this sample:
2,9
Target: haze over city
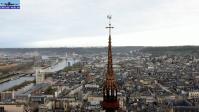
79,23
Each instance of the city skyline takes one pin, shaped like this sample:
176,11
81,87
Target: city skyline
80,23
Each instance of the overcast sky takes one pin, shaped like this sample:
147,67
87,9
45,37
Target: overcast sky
74,23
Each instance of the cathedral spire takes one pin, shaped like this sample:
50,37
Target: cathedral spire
109,67
110,102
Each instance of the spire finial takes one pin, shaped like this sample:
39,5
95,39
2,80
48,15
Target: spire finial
109,17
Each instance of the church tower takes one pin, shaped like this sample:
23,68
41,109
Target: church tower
110,102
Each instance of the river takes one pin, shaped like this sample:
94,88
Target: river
12,83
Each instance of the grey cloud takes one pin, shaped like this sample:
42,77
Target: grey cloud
46,20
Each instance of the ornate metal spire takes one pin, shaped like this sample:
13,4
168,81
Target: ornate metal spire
110,64
110,102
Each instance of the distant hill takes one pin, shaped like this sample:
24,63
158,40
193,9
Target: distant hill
62,51
173,50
